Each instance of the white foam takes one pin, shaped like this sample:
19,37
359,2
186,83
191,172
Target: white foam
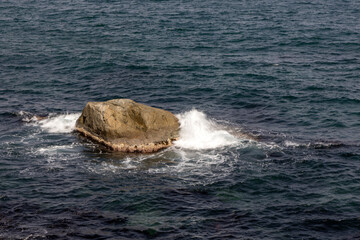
291,144
23,113
64,123
27,117
197,132
53,149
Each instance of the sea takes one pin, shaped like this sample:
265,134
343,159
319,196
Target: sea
267,94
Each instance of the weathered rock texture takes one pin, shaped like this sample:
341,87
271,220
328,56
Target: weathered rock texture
124,125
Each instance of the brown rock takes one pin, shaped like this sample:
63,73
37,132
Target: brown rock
127,126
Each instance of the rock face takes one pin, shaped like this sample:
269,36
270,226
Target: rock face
127,126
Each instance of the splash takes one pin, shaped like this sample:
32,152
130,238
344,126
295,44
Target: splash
197,132
27,116
64,123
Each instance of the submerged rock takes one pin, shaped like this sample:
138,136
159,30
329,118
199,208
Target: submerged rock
127,126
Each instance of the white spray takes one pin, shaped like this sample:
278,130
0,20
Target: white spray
197,132
64,123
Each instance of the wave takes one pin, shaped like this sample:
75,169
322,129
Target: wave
64,123
27,116
316,144
197,132
53,123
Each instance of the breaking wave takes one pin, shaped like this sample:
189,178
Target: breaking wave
64,123
197,132
53,123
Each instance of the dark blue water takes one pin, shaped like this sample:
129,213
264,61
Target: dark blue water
286,74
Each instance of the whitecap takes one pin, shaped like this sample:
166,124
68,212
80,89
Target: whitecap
197,132
64,123
288,143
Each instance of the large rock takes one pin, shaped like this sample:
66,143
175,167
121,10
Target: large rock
124,125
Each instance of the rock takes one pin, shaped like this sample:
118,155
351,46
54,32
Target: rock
127,126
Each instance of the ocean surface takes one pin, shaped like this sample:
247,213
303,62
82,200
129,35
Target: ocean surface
267,93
